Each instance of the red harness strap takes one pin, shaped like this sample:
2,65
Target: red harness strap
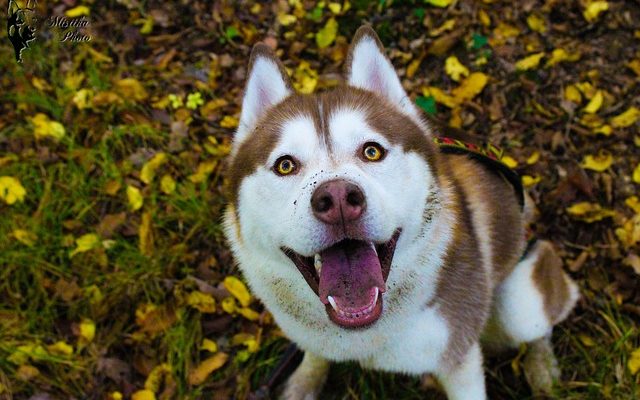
489,155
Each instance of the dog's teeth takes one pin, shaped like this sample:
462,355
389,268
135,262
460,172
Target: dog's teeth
333,304
373,246
317,263
375,297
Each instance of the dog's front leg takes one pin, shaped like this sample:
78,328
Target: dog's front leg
466,380
308,379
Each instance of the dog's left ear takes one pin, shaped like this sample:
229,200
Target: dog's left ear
368,68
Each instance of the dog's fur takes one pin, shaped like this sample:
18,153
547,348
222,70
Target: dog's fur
456,275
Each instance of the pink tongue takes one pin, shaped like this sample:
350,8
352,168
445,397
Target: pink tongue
350,270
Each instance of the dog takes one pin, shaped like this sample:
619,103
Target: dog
367,243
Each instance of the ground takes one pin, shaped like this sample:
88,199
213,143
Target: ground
115,278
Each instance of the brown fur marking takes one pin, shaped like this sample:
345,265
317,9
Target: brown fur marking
551,281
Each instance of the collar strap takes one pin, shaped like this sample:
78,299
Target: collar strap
489,155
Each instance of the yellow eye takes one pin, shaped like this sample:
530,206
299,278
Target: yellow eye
285,166
372,152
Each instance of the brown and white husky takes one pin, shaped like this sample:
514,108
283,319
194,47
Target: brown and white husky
367,243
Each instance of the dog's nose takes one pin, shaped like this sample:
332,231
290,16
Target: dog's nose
338,201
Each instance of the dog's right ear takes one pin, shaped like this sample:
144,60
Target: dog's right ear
267,85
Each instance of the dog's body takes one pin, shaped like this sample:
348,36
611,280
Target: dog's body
367,244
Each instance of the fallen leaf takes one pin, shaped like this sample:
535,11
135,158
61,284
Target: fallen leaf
27,372
209,345
82,98
627,118
248,313
143,394
204,169
238,289
167,184
145,234
286,19
594,9
327,34
634,203
148,171
600,162
634,362
455,69
60,348
533,158
78,11
25,237
305,78
439,3
528,180
11,190
131,88
87,330
228,304
203,302
509,161
636,174
44,127
470,87
589,212
536,23
229,122
629,232
85,243
561,55
134,197
572,93
595,103
529,62
157,375
205,368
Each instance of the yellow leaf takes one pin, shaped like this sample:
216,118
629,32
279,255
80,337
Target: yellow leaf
593,10
446,26
203,302
634,362
506,30
167,184
537,23
238,289
327,34
228,304
636,174
203,171
587,341
145,235
143,394
509,161
11,190
27,372
148,171
533,158
440,96
229,122
202,371
44,127
589,212
634,203
115,396
595,103
599,162
77,11
134,197
286,19
82,98
529,62
470,87
439,3
413,67
484,18
106,98
209,345
87,331
131,88
634,65
305,78
60,348
155,378
24,237
249,313
605,130
455,69
85,243
629,232
335,7
626,119
560,55
528,180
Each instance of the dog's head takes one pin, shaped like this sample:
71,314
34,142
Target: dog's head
335,183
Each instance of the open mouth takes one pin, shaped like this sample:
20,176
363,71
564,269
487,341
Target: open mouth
349,277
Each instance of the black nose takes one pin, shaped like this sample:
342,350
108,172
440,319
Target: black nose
338,201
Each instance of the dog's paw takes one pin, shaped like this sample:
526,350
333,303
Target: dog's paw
308,379
541,368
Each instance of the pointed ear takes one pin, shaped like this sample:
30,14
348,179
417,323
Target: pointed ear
368,68
267,85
